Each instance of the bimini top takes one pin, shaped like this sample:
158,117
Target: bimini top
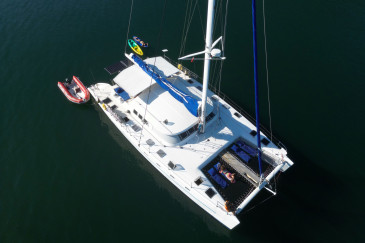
134,80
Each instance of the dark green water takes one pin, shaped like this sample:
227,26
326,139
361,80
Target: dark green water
66,175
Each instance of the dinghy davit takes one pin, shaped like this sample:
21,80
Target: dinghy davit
74,90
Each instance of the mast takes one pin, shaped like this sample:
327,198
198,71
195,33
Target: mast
256,82
207,58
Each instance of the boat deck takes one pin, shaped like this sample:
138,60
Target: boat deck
186,162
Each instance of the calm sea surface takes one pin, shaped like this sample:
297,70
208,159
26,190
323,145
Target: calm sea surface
67,175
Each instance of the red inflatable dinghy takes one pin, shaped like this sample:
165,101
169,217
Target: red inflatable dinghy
75,91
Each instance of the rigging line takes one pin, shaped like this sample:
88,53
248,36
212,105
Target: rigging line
225,28
183,32
222,62
220,16
220,77
222,24
189,23
258,204
191,14
276,178
154,66
219,88
216,76
267,69
201,24
186,20
212,79
188,26
275,183
217,13
129,23
92,74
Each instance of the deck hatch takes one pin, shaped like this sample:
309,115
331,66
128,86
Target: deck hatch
171,165
199,181
210,192
136,128
161,153
237,114
253,133
265,141
106,101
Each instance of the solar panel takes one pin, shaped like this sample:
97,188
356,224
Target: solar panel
118,66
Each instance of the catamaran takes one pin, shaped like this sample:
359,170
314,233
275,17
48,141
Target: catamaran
212,151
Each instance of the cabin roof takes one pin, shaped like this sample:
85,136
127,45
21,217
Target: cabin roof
165,112
134,80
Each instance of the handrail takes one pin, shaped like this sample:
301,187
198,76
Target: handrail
221,206
182,181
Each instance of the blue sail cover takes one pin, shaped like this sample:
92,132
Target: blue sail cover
190,103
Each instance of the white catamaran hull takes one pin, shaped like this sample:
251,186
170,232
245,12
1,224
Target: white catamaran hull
217,211
199,148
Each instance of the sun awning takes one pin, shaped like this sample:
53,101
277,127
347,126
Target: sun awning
161,66
134,80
